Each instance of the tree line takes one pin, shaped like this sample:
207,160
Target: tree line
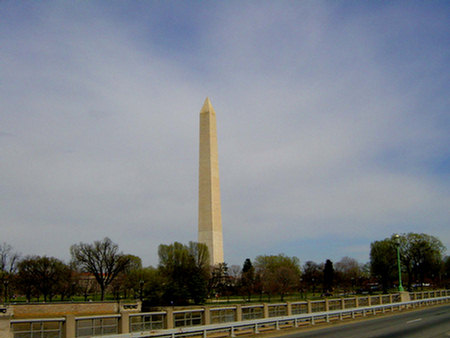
183,275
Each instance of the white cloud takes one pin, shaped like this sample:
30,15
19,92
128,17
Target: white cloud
320,133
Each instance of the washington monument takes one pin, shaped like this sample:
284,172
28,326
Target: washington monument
209,213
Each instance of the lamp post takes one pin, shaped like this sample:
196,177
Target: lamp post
141,286
397,244
301,288
5,285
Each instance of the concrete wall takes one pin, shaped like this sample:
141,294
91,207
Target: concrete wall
69,311
44,310
5,318
61,309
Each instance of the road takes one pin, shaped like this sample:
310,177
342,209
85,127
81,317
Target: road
427,323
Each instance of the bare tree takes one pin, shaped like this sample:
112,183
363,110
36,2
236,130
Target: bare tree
8,266
102,259
235,271
348,273
8,259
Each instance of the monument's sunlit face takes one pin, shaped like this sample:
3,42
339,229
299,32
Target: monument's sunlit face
209,210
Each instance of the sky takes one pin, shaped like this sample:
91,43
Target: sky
333,124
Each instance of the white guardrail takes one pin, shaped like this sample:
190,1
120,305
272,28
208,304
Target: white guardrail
276,323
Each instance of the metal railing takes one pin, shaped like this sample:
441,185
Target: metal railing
276,323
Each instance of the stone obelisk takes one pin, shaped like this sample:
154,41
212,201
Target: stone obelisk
209,213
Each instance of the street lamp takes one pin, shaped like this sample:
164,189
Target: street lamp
141,286
397,244
5,285
301,288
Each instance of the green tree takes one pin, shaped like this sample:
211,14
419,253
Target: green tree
446,272
383,262
102,259
312,274
126,282
420,255
44,275
153,287
185,269
280,274
25,281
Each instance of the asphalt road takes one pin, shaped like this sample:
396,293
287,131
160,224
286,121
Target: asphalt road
427,323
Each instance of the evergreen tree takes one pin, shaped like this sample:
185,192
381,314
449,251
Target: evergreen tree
247,279
328,277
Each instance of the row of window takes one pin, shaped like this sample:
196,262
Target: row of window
97,326
147,322
38,329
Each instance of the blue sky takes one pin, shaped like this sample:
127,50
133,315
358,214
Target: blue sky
333,123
